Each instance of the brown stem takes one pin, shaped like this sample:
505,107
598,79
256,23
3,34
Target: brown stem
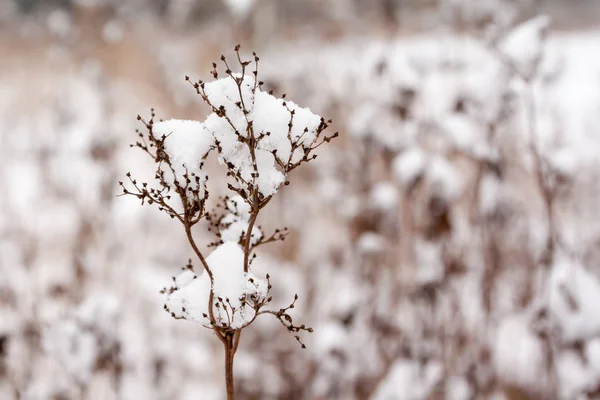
547,258
229,354
236,339
249,238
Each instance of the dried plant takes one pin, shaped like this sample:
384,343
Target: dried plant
259,139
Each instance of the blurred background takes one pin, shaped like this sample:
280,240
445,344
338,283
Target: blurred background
447,246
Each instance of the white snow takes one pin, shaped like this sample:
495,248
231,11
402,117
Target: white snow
74,348
370,243
227,265
270,115
113,31
408,380
190,296
409,165
384,196
458,388
270,119
59,23
240,8
524,44
190,299
329,337
518,353
429,262
466,135
575,374
574,298
489,194
187,144
225,93
235,223
444,178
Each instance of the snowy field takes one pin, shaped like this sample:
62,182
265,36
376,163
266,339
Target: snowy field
445,246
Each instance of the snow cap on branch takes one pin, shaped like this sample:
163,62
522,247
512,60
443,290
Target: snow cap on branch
189,297
187,145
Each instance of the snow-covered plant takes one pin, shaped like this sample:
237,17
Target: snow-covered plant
259,139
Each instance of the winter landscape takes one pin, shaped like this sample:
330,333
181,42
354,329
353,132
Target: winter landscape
420,180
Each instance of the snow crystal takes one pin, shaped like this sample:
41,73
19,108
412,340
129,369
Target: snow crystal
187,145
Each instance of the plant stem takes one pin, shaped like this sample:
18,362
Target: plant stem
229,354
